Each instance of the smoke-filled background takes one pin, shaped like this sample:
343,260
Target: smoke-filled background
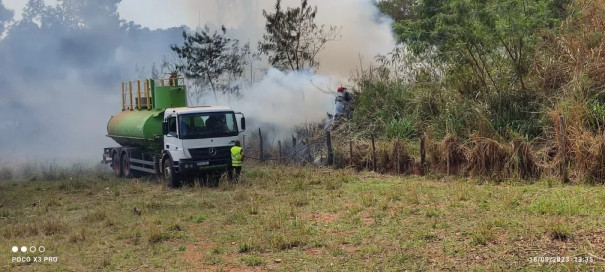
62,62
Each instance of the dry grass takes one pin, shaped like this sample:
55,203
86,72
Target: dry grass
570,69
293,219
597,169
584,149
572,63
488,158
448,156
391,157
523,162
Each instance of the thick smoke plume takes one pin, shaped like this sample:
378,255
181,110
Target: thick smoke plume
62,65
282,100
365,32
61,72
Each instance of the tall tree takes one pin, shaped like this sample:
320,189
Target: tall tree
212,60
397,9
293,40
491,38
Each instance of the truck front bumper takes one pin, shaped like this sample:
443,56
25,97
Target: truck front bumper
196,166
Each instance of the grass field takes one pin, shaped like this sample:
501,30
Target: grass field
289,218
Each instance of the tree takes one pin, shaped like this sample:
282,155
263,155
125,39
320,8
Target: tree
492,38
293,40
212,60
483,51
397,9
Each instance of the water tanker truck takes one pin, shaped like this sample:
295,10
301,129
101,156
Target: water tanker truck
159,134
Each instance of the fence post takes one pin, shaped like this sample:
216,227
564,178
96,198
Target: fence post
279,152
447,157
422,153
398,147
563,166
373,153
260,146
350,152
329,145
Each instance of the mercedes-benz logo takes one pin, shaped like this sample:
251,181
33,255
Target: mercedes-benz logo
212,151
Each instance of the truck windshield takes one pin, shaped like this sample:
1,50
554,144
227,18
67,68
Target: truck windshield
207,125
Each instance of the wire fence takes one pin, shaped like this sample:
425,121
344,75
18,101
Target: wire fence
478,156
323,149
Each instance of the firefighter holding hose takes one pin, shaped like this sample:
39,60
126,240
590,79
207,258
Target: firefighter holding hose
343,101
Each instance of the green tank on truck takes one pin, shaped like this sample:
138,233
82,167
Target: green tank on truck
151,130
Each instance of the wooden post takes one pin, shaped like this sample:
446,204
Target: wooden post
373,153
307,149
329,145
563,162
398,148
350,152
260,146
447,157
422,153
279,152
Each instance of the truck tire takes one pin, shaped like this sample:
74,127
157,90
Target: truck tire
117,164
171,178
127,172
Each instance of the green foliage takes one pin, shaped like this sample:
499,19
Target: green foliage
212,60
293,40
517,111
459,118
199,218
397,9
597,112
491,41
387,106
253,261
402,128
470,66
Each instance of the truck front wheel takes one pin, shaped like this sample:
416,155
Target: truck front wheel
170,177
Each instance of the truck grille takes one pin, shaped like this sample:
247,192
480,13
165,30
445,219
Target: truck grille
220,153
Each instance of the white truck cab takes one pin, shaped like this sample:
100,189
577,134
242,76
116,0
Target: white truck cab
199,138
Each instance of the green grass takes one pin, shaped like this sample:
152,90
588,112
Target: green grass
292,219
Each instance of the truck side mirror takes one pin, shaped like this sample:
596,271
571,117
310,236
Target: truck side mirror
243,122
164,128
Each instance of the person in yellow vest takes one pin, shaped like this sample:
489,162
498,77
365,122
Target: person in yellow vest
237,158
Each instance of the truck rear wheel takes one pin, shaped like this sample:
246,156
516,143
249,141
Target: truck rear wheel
126,166
116,164
170,177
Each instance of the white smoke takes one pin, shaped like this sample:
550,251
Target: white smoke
365,32
285,99
62,65
282,100
61,72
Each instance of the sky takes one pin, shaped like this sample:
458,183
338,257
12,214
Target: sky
63,64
